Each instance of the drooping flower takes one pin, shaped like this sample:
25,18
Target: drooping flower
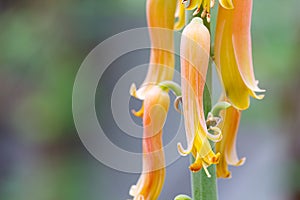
233,54
227,146
194,54
196,5
160,19
150,183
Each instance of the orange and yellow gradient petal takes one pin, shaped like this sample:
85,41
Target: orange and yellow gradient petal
194,53
233,54
227,146
160,19
150,183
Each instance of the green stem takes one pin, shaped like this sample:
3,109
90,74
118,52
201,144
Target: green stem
222,105
174,87
204,188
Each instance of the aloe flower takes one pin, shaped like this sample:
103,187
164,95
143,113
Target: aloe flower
227,147
160,19
150,183
196,5
233,54
194,53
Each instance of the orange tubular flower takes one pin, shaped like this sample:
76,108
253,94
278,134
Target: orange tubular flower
194,53
229,127
160,18
196,4
150,183
233,54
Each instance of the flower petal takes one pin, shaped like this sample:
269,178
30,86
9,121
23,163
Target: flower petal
151,181
241,40
230,128
227,147
194,52
160,20
217,136
235,88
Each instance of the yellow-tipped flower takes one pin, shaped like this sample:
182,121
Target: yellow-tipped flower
196,5
233,54
194,53
160,19
150,183
227,147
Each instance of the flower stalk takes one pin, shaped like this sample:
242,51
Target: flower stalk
202,186
174,87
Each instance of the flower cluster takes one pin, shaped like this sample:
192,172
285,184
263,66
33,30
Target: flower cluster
233,58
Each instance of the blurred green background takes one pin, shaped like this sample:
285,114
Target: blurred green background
43,44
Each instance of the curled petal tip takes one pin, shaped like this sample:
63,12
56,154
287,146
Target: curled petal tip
138,113
132,90
216,136
259,97
239,163
215,159
140,93
195,167
227,4
260,90
255,88
132,191
227,175
242,161
182,151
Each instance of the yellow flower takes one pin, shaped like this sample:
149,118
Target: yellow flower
194,53
150,183
196,4
233,54
229,127
160,19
